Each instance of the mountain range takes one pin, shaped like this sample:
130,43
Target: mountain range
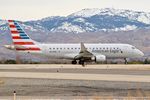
91,20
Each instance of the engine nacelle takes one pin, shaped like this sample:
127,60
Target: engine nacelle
98,58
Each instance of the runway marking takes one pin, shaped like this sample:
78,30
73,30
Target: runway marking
72,76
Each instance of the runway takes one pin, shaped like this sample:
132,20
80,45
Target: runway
74,80
66,66
70,76
74,72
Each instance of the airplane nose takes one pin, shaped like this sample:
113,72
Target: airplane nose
140,53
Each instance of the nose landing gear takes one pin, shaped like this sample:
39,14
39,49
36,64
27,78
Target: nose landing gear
125,61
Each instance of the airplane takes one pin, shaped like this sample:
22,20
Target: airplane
78,53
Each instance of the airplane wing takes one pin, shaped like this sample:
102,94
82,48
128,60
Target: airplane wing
84,53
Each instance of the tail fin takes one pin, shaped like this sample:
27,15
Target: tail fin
21,39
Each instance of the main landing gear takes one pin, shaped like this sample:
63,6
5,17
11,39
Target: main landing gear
74,62
81,62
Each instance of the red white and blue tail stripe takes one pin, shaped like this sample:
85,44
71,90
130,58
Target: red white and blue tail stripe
21,40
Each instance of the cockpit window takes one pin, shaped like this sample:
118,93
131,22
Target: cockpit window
133,48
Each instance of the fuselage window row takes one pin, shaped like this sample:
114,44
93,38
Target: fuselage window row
86,48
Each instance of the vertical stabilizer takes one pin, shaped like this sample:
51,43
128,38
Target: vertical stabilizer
21,40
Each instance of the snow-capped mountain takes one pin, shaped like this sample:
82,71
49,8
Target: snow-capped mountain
132,15
91,20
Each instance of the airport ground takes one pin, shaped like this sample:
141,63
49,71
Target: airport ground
74,81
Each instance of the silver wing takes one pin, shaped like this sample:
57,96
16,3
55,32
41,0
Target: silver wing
84,54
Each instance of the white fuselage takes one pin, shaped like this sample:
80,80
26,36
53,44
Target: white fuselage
69,51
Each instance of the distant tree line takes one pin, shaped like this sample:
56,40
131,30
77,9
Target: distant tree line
12,61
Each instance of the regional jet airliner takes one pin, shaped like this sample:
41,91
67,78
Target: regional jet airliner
78,53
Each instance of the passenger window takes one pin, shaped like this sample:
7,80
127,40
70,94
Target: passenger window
133,47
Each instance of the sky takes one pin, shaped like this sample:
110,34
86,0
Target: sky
24,10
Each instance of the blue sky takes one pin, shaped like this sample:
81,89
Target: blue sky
36,9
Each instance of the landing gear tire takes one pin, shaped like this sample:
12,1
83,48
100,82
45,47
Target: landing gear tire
81,62
125,61
74,62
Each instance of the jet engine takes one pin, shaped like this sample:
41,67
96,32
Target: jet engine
98,58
